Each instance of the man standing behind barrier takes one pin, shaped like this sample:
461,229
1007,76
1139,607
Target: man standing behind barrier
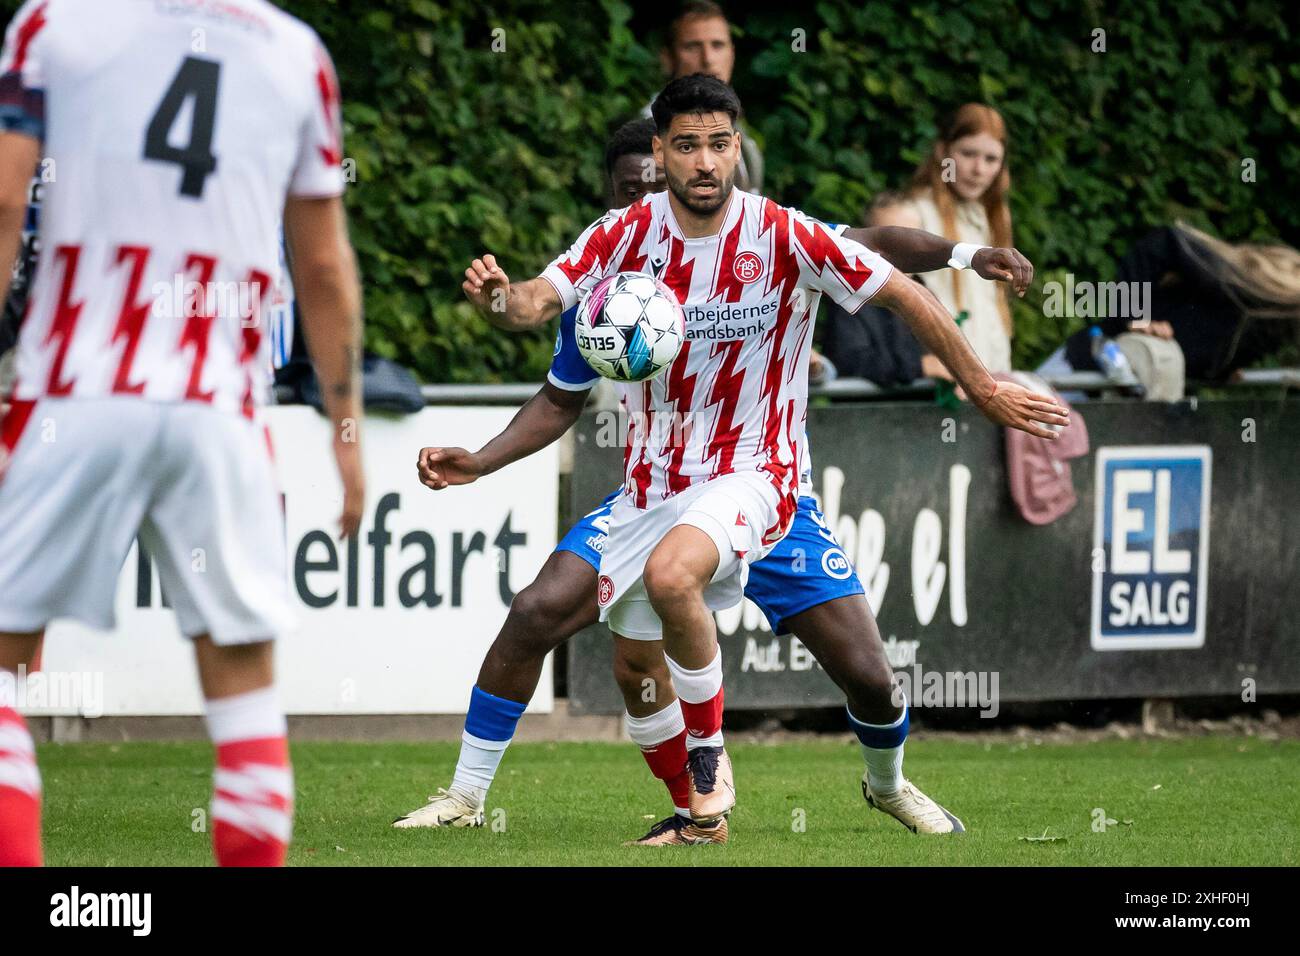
699,41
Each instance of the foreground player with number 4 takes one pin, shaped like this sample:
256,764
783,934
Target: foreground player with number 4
716,489
136,408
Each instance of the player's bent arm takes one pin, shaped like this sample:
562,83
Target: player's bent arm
936,330
1004,403
915,250
512,307
532,304
19,155
329,299
544,419
912,250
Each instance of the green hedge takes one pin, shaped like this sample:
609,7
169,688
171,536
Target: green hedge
462,149
459,149
1103,145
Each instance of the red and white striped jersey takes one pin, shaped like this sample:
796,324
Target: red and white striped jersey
736,397
173,132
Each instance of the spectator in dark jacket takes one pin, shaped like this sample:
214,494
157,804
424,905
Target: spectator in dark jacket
873,344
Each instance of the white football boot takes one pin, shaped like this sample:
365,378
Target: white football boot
448,808
913,809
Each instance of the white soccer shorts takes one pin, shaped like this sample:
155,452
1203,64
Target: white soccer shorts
198,486
733,510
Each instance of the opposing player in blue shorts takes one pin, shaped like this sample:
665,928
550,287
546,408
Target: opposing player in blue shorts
806,586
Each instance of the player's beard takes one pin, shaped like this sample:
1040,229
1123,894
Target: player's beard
682,190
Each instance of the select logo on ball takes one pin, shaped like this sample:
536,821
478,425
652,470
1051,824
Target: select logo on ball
747,267
605,590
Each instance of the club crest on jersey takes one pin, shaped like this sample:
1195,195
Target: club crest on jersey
747,267
605,590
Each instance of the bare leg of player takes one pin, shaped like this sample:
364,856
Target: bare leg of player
560,602
252,800
843,636
676,574
20,781
654,722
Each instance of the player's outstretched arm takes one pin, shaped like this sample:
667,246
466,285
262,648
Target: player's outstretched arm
513,307
1004,403
19,155
329,298
543,419
915,250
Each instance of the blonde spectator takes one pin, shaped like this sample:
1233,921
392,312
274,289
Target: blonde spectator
960,191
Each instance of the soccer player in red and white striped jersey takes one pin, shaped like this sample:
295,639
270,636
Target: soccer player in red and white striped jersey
178,136
712,463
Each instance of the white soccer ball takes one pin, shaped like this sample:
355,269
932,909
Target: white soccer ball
630,327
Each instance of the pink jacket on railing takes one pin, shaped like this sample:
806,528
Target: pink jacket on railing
1038,470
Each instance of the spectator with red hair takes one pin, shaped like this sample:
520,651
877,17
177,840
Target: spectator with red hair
959,191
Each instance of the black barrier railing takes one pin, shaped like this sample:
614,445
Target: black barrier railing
860,388
847,389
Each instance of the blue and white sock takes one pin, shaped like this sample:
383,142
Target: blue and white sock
882,746
489,725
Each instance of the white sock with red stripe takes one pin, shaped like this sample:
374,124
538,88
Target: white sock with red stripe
20,793
700,693
662,739
252,800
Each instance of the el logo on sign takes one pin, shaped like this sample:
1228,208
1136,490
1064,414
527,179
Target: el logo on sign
1152,531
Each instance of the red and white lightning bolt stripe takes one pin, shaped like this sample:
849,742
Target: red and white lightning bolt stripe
327,85
823,252
680,396
725,393
640,476
252,794
24,37
604,242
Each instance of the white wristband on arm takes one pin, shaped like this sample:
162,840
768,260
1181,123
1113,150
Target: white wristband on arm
963,253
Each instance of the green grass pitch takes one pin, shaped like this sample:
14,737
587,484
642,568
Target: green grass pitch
1204,801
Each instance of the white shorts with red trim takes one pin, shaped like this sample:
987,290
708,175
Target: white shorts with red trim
82,478
733,510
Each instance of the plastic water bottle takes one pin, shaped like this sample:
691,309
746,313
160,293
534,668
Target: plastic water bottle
1114,363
